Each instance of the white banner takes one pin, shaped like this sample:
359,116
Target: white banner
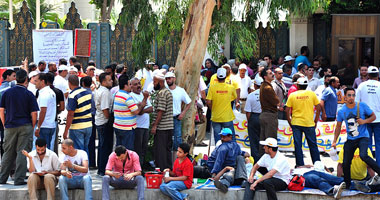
52,44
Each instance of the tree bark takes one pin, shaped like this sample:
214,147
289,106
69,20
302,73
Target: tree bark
103,11
190,57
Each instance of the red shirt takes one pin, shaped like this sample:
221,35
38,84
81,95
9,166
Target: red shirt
184,169
292,89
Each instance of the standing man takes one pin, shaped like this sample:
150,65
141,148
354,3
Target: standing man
74,171
317,68
280,90
142,120
354,116
48,108
268,58
179,96
218,100
329,100
41,66
18,112
125,110
313,82
253,110
245,86
303,57
103,104
78,118
269,105
52,67
162,126
145,75
43,166
302,103
368,92
60,81
363,76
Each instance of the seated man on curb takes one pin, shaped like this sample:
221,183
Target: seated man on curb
227,163
358,167
123,171
43,165
276,179
74,171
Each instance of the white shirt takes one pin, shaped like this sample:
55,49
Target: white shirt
179,96
319,91
50,162
76,160
245,83
46,98
145,74
278,163
253,102
32,88
61,83
141,120
313,84
103,100
369,93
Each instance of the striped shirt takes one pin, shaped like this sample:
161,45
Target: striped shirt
79,101
123,107
164,102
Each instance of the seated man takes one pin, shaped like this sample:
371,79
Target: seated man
278,176
74,171
358,167
123,171
43,165
229,155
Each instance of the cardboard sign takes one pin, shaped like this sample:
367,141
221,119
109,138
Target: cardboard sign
82,42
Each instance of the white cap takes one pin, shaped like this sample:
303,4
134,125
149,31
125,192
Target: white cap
258,80
169,75
33,73
302,81
98,72
226,65
243,66
72,68
271,142
158,74
373,69
221,73
62,68
288,58
90,67
319,166
263,63
334,154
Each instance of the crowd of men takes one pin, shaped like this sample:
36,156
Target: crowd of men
114,105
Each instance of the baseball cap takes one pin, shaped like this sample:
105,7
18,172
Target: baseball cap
226,65
62,68
243,66
271,142
258,80
33,73
373,69
225,131
221,73
263,63
169,75
90,67
73,69
334,154
288,58
158,74
302,81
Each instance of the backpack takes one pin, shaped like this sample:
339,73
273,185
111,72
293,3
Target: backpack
297,183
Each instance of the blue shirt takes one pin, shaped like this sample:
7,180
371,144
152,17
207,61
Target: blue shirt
354,130
301,59
331,101
5,85
224,155
18,103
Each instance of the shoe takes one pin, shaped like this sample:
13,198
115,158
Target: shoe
221,186
201,144
338,189
21,183
362,187
374,180
93,168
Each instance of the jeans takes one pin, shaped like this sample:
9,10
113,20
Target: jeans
141,143
122,184
322,181
349,149
125,138
374,130
254,135
105,146
217,126
270,185
237,176
81,138
311,142
47,134
83,182
172,189
177,134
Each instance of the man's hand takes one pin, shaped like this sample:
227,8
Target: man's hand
237,105
167,179
333,145
128,177
166,170
324,117
68,174
229,168
146,94
68,164
153,130
37,132
180,117
251,179
361,121
26,154
65,135
117,175
253,186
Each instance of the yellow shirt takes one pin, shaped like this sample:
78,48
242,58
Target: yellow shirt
214,80
358,167
302,103
221,95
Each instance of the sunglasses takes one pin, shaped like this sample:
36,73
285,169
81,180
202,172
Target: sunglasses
350,95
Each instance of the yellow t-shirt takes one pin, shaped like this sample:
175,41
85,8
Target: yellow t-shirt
358,167
214,80
302,103
221,95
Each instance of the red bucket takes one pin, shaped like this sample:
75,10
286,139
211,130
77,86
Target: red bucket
153,180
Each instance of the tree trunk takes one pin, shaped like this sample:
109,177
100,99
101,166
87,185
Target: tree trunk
103,12
190,57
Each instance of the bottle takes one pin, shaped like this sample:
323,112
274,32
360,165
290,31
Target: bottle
166,174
